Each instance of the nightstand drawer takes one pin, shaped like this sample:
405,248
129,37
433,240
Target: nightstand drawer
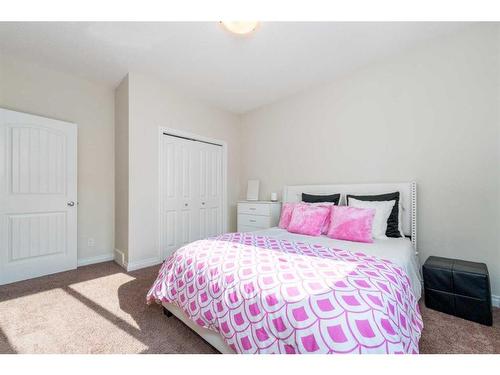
254,209
254,221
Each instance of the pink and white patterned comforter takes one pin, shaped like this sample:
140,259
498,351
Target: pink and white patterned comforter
265,295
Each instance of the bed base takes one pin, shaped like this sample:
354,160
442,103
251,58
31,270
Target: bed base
167,313
211,337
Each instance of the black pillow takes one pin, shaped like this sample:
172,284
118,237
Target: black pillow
393,220
310,198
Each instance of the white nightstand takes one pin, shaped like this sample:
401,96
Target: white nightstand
255,215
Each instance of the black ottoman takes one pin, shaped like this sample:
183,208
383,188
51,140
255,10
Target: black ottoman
459,288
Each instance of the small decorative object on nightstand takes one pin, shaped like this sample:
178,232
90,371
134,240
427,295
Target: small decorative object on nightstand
459,288
253,190
258,215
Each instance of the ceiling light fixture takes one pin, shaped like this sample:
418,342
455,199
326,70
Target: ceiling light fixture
240,27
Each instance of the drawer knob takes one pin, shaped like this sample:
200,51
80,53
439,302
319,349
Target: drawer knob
252,221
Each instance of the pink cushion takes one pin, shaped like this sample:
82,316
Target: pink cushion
351,223
328,205
308,219
286,214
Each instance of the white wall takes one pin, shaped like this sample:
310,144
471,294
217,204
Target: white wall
30,88
121,169
152,104
430,115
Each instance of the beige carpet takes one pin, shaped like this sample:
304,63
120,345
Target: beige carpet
101,309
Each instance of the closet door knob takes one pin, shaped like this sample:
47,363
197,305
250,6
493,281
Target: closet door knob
203,203
185,204
71,204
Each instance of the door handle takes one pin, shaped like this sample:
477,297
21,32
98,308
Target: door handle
203,203
71,203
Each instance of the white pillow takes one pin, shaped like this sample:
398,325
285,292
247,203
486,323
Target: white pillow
382,212
316,204
400,219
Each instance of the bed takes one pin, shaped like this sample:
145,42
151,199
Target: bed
397,250
272,291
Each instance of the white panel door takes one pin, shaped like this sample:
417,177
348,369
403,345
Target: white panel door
210,189
38,212
179,224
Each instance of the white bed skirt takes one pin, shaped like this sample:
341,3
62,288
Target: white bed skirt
212,337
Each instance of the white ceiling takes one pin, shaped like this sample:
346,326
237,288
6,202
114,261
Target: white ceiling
202,59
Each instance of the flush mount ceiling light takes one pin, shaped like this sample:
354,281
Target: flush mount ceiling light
240,27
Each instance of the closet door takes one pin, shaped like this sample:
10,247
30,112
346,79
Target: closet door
179,192
191,192
210,189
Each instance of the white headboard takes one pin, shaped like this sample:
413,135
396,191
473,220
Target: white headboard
407,190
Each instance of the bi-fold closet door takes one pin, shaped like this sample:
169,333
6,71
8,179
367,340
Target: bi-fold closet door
191,192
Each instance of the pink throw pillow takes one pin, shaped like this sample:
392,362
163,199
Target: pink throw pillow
308,219
327,220
351,223
286,215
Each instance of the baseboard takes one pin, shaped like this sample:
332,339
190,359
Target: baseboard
132,266
94,260
119,257
495,300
